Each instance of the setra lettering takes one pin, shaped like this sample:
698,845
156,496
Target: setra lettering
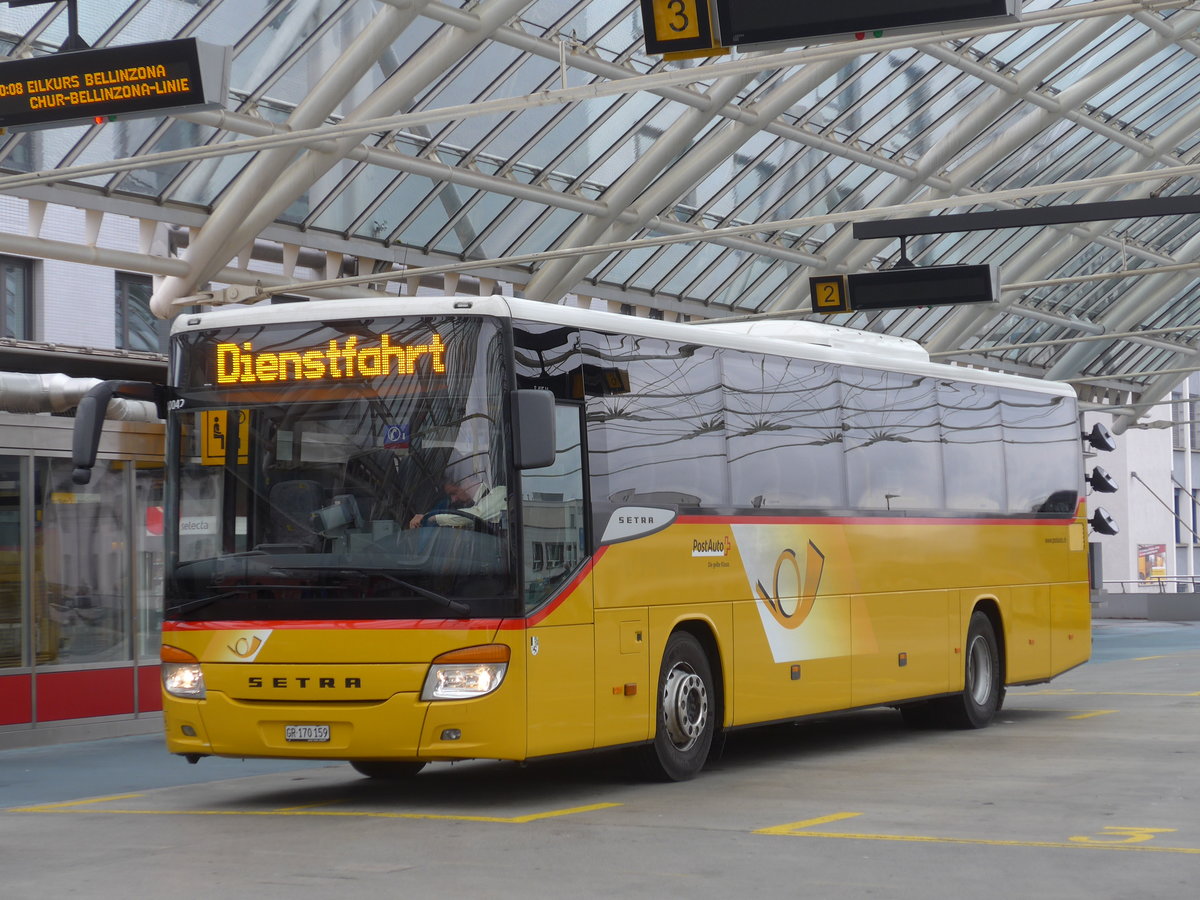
303,681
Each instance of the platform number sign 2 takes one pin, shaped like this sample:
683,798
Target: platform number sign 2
829,293
675,25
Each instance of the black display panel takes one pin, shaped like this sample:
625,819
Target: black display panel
768,21
113,82
923,286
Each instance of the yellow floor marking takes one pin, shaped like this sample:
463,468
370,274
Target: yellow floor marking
1122,834
795,829
301,811
1144,658
791,827
1089,715
1086,714
68,804
284,809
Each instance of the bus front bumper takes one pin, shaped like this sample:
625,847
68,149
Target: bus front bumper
403,727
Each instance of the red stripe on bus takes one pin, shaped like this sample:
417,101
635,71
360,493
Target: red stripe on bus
566,592
861,520
334,624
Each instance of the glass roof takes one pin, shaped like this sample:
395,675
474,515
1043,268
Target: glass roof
502,128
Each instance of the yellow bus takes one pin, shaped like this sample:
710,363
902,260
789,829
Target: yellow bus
452,528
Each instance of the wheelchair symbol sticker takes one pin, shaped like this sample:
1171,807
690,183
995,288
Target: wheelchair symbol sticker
396,437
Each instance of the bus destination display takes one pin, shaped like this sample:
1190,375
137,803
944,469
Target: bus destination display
112,82
242,364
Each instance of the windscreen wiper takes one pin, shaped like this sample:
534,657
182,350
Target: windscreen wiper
457,607
201,602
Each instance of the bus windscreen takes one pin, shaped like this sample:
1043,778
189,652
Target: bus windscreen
338,470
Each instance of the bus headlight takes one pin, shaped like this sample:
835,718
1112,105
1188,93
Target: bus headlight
463,674
182,675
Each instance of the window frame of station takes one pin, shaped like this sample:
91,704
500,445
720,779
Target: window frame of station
1192,536
1178,433
28,271
1185,420
26,555
123,283
29,460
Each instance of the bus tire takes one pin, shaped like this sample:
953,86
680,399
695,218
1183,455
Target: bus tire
983,685
386,770
684,722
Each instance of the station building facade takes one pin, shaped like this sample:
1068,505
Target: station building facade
80,568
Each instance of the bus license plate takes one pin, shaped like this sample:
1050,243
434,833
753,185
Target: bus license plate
312,734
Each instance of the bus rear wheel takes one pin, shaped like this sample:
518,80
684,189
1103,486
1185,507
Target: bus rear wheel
983,685
684,719
386,770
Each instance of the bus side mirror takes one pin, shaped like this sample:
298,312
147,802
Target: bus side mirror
89,419
533,428
1103,523
1101,482
1100,438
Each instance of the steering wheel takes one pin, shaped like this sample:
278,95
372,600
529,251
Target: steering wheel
477,524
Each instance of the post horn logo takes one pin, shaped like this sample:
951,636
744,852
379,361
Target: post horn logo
787,613
245,647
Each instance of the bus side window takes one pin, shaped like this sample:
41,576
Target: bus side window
1041,478
892,440
658,439
552,511
784,432
972,446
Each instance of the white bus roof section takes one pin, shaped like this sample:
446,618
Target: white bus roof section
883,345
804,340
533,147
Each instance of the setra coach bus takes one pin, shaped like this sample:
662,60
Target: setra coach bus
451,528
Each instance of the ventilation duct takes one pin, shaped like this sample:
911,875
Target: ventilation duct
57,393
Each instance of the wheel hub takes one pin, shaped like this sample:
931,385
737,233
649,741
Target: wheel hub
685,706
979,671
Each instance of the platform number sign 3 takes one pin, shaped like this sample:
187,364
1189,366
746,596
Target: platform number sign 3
676,25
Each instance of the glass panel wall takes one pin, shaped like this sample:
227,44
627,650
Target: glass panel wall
147,537
12,619
81,542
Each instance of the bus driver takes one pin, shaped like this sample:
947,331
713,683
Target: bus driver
468,496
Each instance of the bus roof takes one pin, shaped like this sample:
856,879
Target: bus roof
805,339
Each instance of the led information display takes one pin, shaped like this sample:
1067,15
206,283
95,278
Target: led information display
112,83
771,22
242,364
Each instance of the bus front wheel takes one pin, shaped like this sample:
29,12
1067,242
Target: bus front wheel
684,722
386,769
